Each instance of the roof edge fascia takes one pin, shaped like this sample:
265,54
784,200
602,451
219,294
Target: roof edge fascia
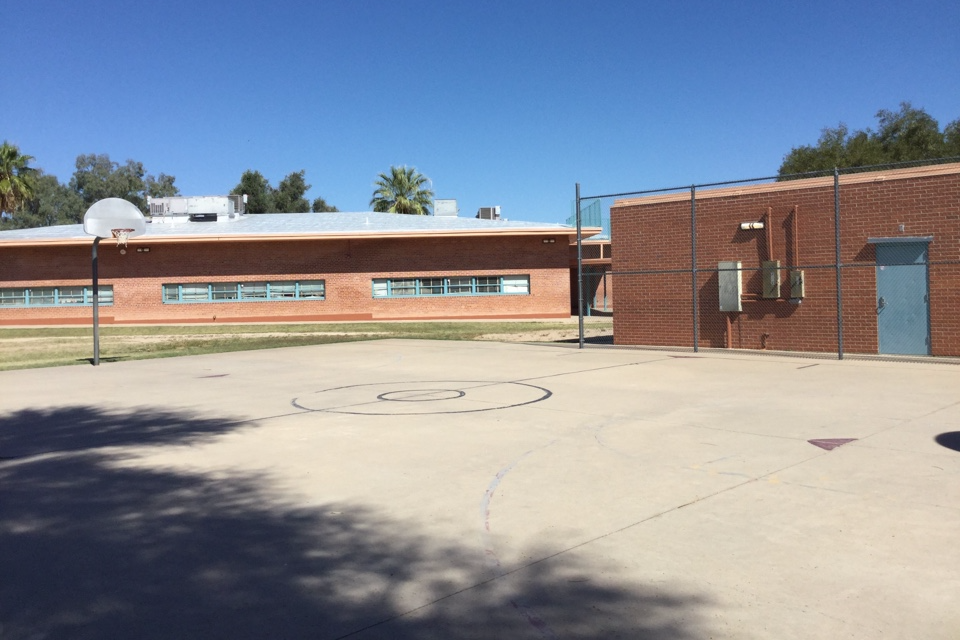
289,237
795,185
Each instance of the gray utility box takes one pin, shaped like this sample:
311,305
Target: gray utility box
771,279
797,288
731,286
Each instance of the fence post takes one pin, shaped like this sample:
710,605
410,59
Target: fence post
579,270
837,258
693,266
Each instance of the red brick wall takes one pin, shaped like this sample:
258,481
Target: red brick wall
347,266
655,236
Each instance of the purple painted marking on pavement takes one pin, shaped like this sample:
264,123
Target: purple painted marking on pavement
528,614
829,444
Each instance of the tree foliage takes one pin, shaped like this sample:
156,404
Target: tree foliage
320,206
258,191
48,202
403,191
17,178
160,187
908,134
289,196
97,177
53,203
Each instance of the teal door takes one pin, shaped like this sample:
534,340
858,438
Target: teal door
903,303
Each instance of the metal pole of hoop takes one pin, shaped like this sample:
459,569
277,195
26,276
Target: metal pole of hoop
96,306
579,271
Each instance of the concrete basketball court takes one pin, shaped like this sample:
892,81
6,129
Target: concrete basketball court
419,489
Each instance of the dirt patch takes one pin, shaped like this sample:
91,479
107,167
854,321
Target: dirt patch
552,335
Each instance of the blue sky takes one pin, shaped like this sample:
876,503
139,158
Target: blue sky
504,103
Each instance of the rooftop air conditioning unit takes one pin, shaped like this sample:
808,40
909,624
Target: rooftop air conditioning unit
489,213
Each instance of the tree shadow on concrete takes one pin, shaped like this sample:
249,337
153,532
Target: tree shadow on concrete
94,546
32,432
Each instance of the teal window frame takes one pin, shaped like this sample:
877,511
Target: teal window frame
55,296
451,286
220,292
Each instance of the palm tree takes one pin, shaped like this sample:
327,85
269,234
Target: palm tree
403,191
16,178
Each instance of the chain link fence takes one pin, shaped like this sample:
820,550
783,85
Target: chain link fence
849,262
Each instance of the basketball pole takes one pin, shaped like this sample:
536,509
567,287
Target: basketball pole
579,271
96,306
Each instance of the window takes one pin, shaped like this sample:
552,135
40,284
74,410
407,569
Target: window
13,297
403,287
488,284
221,291
253,291
431,286
459,285
516,284
194,292
53,296
282,290
451,286
244,291
72,295
43,295
313,290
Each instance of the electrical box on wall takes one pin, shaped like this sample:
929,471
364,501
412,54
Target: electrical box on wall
771,278
731,286
797,288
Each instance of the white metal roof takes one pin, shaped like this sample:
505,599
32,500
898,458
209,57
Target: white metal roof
306,225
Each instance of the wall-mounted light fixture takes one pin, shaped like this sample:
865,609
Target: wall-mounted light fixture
749,226
549,240
143,249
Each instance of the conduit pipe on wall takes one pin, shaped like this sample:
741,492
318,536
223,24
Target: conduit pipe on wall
768,231
795,223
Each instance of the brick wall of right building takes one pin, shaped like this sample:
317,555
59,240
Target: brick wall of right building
653,295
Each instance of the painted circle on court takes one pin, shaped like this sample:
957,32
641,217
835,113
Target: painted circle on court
421,395
425,397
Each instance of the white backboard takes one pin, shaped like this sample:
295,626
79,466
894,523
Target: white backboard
113,213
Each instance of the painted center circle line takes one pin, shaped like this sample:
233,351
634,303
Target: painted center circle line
421,395
374,399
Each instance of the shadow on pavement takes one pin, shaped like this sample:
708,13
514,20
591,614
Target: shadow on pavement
950,440
92,546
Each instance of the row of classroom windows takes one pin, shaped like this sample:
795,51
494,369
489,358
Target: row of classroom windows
281,290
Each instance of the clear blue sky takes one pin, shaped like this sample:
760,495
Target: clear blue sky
504,103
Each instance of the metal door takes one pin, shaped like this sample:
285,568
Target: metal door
903,304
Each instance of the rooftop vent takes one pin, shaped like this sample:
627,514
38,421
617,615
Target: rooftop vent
445,208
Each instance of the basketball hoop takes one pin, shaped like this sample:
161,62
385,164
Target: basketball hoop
121,235
110,218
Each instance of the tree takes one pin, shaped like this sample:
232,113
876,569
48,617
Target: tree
16,178
951,138
55,203
320,206
52,203
403,191
161,187
97,177
258,191
906,135
288,197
